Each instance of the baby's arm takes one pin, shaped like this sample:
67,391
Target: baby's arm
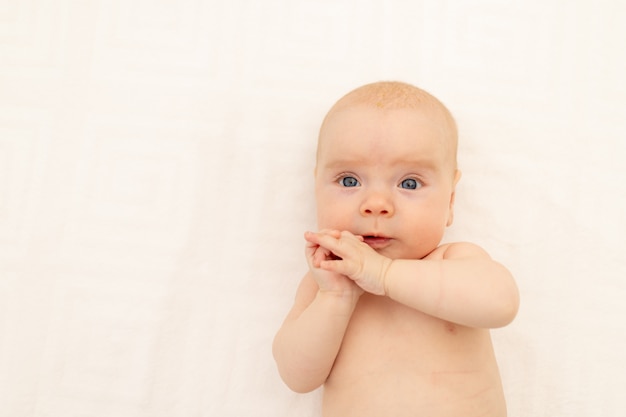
456,282
464,286
307,344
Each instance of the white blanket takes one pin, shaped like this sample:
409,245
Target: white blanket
156,167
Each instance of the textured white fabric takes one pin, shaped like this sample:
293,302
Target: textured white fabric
156,178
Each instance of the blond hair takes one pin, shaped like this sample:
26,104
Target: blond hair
392,95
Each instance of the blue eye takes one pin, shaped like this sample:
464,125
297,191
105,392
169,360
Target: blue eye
410,184
349,182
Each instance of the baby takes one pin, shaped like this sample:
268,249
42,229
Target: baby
389,321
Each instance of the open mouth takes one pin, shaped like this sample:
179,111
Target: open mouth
377,242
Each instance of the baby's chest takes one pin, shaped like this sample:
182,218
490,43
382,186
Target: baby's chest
382,333
390,351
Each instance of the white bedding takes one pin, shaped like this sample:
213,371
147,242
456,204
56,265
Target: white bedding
156,178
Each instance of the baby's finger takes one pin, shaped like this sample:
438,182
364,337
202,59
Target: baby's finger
320,255
339,247
336,234
349,235
339,266
315,238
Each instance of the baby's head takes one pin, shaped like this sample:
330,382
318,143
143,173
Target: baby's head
394,95
386,168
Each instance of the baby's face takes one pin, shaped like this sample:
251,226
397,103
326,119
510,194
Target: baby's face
388,176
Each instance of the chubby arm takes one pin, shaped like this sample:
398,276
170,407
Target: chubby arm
307,343
465,286
457,282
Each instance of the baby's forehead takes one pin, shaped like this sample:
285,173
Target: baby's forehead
354,114
351,119
392,95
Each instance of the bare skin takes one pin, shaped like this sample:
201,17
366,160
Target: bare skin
392,359
388,320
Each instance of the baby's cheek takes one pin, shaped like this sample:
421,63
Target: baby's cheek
330,219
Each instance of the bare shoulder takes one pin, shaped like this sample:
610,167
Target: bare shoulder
458,250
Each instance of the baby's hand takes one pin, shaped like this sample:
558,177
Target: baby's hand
328,281
351,257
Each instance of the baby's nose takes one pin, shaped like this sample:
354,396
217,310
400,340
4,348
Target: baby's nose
377,204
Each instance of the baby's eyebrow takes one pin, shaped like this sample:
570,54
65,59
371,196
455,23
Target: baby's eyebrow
422,165
419,162
336,163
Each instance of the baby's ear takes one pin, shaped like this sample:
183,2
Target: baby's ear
457,177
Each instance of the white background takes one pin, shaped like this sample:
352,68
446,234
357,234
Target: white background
156,178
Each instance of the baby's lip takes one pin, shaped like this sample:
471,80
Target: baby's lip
377,242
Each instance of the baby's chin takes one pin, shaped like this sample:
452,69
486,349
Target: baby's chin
396,252
392,252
